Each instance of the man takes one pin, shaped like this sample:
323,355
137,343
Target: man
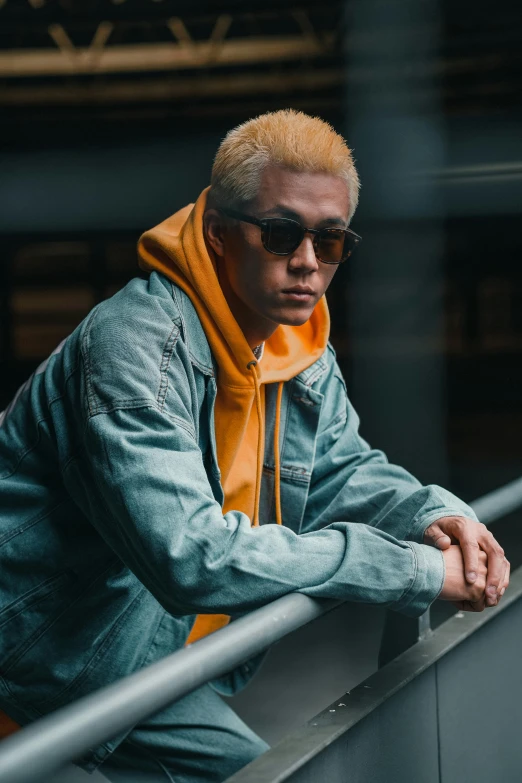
190,454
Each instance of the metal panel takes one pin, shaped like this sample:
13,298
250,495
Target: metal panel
340,648
315,746
395,744
480,704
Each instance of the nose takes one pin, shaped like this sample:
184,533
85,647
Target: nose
303,258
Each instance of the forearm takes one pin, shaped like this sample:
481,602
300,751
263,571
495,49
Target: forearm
161,519
381,495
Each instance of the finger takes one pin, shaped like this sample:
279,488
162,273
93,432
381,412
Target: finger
500,592
505,583
496,568
507,576
470,554
443,541
437,537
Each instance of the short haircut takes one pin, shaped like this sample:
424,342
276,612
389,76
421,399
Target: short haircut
285,138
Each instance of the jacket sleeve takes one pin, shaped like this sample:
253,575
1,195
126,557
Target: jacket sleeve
141,480
351,481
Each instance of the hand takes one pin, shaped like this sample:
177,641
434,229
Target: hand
467,597
473,537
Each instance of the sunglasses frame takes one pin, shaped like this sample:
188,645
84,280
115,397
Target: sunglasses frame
262,224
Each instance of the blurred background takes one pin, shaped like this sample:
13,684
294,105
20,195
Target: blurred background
110,114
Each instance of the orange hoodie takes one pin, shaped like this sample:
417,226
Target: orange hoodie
177,249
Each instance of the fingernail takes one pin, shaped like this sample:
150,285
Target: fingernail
502,592
492,590
472,576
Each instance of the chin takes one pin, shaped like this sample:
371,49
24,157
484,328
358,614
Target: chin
293,318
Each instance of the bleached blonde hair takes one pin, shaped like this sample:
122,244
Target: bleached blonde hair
285,138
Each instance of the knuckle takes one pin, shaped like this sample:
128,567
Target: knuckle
477,592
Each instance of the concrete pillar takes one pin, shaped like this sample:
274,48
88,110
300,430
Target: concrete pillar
395,296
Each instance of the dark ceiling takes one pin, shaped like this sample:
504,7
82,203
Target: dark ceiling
71,63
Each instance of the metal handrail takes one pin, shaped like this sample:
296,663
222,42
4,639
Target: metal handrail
498,503
47,745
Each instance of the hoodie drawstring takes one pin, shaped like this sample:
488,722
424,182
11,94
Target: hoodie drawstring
277,461
260,441
260,447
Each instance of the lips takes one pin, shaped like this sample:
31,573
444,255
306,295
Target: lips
299,293
299,289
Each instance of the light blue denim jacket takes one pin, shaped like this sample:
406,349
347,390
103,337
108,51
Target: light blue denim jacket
112,535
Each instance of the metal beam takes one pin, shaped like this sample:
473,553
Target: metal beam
157,90
69,60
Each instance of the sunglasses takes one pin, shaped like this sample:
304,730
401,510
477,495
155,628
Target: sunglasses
281,236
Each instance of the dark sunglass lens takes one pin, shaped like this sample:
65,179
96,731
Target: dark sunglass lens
282,236
350,243
333,246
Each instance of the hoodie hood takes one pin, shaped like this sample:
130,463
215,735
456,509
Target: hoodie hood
177,249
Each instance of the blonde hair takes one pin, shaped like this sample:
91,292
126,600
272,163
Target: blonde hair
285,138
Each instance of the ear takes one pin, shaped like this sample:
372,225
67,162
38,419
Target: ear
214,231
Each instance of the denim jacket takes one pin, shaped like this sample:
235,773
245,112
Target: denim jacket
112,535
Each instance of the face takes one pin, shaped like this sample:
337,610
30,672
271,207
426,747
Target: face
264,290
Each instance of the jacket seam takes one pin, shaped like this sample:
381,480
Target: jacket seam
205,369
91,403
294,474
23,454
320,368
65,382
30,523
407,590
164,366
287,416
145,403
43,629
41,591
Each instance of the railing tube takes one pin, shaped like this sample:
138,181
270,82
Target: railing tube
42,748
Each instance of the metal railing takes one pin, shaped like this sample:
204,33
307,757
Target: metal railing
46,746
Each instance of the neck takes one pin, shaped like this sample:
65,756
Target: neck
255,328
